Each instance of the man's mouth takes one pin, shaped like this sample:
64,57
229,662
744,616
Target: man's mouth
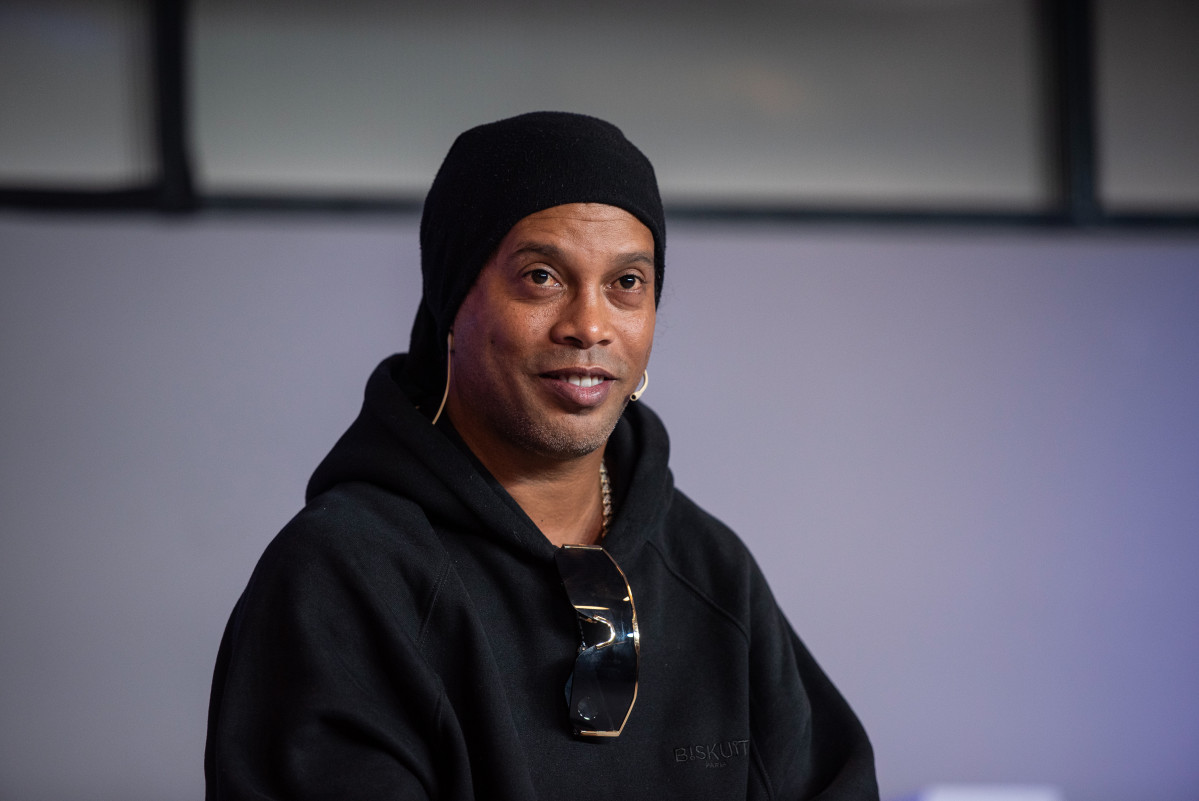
584,380
580,376
587,386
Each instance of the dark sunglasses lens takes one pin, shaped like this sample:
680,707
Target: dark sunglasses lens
603,685
591,578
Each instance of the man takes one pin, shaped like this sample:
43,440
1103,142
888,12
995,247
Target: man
494,590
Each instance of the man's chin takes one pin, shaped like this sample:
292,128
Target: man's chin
569,439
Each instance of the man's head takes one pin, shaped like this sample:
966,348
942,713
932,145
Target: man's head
495,176
554,335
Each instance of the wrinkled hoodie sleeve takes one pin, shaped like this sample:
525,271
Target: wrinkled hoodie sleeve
805,740
320,690
810,743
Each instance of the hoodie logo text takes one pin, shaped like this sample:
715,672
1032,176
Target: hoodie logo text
713,755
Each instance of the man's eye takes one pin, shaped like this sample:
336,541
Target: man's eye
540,277
628,281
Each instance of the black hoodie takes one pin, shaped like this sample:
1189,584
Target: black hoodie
407,636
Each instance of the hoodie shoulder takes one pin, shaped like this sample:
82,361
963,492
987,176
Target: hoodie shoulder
710,559
356,545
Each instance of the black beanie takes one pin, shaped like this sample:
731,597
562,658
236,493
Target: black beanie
494,176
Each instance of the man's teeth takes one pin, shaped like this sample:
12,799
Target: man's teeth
584,380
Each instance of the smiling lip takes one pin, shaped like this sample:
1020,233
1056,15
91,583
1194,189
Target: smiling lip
580,386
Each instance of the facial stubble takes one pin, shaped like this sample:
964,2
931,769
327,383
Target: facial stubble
545,437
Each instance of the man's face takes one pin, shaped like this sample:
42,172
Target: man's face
555,333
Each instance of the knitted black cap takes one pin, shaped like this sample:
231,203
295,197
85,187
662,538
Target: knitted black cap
496,175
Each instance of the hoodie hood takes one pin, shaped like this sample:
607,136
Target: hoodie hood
393,446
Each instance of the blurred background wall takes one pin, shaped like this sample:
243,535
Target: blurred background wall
929,342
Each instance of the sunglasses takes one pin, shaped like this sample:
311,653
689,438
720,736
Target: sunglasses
603,685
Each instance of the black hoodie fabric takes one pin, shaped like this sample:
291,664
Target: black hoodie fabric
407,636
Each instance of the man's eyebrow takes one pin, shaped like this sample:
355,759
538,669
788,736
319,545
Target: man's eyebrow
539,248
554,252
635,256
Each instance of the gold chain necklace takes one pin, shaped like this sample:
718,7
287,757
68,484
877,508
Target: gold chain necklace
606,496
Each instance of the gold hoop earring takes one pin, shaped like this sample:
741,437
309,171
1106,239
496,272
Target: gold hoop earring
449,357
637,393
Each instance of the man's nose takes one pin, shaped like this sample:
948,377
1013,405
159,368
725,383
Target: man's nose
586,320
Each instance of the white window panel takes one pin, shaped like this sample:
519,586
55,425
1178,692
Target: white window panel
934,103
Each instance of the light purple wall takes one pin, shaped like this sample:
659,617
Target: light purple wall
968,462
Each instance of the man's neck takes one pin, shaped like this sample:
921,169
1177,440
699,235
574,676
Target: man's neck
562,497
566,503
